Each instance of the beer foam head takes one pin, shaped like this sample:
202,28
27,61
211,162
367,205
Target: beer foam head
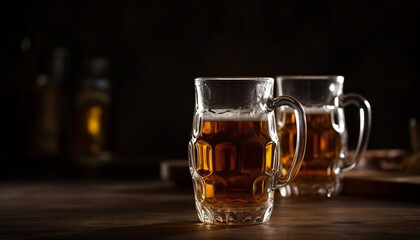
322,110
313,110
239,116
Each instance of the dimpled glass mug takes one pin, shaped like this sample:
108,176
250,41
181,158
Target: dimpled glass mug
326,155
234,147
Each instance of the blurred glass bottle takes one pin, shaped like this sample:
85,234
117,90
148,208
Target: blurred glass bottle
46,130
92,146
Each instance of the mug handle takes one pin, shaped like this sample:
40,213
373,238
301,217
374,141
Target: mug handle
365,125
301,137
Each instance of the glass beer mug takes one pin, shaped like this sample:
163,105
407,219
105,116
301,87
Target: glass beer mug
234,147
326,155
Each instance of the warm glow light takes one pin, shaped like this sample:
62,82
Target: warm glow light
209,191
94,120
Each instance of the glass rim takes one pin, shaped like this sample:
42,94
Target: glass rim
260,79
339,78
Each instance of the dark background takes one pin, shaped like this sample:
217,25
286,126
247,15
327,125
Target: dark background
157,48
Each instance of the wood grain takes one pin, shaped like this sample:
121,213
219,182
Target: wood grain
157,210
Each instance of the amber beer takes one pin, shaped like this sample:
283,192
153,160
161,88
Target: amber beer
322,148
235,164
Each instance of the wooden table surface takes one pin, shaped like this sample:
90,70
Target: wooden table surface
157,210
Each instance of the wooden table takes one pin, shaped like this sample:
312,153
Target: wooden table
157,210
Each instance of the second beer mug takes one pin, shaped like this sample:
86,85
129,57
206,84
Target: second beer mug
234,147
326,154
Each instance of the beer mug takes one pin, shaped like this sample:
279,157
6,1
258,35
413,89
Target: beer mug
326,156
234,147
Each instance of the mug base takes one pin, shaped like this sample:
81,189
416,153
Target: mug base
226,216
311,190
